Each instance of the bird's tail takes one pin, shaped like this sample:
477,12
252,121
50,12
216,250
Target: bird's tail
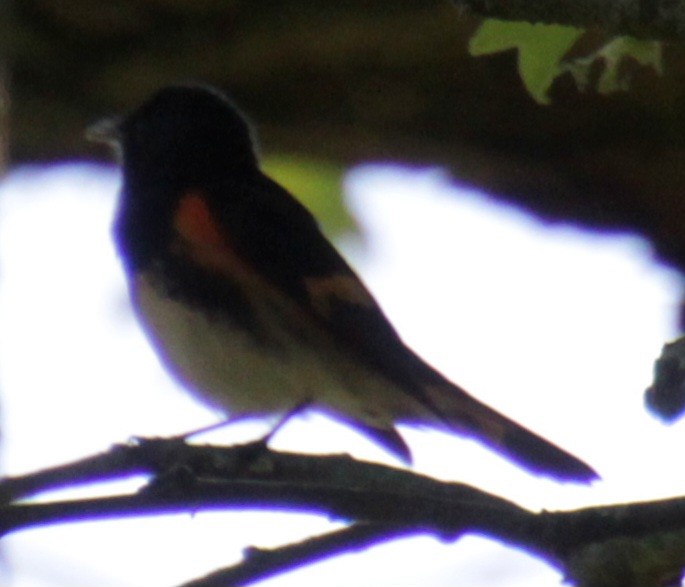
462,413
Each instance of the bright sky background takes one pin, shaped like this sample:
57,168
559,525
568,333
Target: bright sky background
553,326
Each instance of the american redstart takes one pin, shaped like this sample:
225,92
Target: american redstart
251,307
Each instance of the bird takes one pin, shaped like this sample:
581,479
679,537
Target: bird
253,310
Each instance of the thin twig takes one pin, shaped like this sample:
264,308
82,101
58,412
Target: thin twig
262,563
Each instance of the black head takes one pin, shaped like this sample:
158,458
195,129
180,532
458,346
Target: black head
185,135
182,138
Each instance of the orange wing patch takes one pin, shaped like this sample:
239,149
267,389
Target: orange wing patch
347,288
194,222
204,241
201,237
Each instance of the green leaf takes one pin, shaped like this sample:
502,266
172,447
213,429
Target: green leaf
318,185
613,77
540,50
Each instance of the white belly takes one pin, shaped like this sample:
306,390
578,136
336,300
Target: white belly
228,369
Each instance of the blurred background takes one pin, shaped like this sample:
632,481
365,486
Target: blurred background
533,253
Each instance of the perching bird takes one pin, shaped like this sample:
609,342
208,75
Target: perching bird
251,307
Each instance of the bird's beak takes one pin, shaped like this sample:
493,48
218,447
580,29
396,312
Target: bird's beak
107,131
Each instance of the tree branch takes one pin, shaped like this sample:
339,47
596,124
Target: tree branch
262,563
637,543
649,19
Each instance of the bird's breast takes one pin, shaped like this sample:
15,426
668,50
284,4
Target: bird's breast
229,368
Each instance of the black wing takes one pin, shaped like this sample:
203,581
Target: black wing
280,238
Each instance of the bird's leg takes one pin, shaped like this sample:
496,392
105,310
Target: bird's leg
264,440
225,422
299,408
